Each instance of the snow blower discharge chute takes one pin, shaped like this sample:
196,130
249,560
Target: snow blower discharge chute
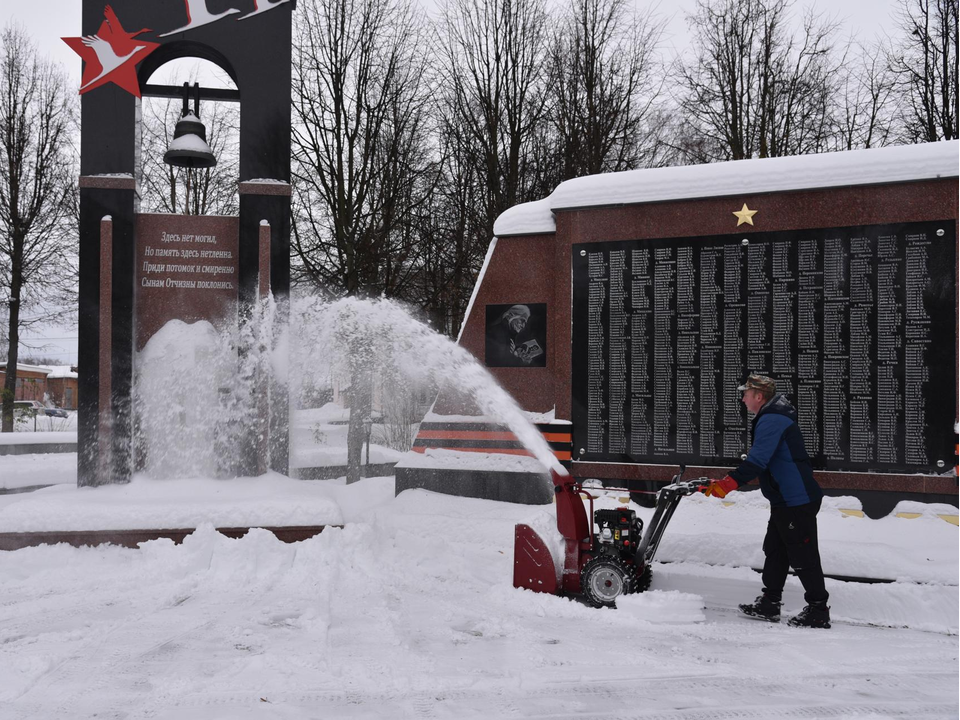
604,565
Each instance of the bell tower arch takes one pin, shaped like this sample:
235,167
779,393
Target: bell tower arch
122,43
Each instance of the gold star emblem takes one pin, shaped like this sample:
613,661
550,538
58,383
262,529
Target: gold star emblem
745,215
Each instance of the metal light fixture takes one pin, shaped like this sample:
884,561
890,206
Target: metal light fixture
189,147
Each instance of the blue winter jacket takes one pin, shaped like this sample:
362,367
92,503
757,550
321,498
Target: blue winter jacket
779,457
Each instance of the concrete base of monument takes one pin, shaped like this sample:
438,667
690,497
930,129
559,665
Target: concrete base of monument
502,476
480,457
526,488
133,538
331,472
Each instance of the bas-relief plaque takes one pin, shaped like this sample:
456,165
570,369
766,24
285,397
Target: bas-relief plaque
857,324
186,269
516,335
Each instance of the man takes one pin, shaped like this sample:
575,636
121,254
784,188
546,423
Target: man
779,459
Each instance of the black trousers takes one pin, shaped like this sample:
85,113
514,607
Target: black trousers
791,541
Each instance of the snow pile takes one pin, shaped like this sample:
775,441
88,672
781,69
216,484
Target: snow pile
146,503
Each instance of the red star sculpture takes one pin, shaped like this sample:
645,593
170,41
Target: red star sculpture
111,55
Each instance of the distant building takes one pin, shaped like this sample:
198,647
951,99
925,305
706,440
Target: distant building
63,386
31,381
52,385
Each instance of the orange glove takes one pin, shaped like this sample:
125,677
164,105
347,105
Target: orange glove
720,488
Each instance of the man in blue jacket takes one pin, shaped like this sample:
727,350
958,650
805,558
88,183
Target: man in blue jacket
779,459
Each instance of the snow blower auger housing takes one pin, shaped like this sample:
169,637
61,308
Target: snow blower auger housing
601,566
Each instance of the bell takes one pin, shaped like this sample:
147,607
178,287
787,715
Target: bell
189,147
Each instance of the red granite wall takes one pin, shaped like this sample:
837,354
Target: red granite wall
521,270
537,268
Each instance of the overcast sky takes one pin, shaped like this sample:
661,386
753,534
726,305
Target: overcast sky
49,20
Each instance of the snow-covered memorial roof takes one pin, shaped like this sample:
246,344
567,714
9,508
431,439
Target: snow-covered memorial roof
688,182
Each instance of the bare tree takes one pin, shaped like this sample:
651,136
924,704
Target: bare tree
925,63
864,114
606,77
755,88
493,55
362,161
37,185
189,191
453,234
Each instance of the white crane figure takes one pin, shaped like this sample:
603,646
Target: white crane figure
262,6
198,15
106,56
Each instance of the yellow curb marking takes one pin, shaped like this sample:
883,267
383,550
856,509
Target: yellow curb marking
952,519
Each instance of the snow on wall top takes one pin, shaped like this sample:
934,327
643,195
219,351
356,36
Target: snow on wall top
526,219
60,371
27,368
739,177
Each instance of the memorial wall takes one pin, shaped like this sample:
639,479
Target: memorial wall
857,324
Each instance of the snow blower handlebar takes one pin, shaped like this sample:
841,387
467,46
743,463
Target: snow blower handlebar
668,497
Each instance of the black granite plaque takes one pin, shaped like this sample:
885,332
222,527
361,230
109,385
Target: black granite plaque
856,324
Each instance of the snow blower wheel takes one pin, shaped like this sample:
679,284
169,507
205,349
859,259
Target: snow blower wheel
644,578
604,579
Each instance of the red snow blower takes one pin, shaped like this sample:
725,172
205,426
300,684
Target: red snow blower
603,566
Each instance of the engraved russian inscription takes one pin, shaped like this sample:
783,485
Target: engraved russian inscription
856,324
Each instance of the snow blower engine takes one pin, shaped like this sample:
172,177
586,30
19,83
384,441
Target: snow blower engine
620,530
601,566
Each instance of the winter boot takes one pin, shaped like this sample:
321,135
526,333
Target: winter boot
815,615
765,607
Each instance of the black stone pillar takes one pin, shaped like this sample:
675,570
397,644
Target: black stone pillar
269,202
106,189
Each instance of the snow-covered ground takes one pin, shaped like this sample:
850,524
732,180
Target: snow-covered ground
21,471
409,612
42,428
318,438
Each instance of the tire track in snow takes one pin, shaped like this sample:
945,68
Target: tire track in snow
125,640
545,700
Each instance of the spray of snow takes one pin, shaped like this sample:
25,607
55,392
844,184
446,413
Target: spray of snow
179,372
199,389
197,395
383,339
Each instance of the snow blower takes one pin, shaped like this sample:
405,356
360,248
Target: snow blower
600,566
